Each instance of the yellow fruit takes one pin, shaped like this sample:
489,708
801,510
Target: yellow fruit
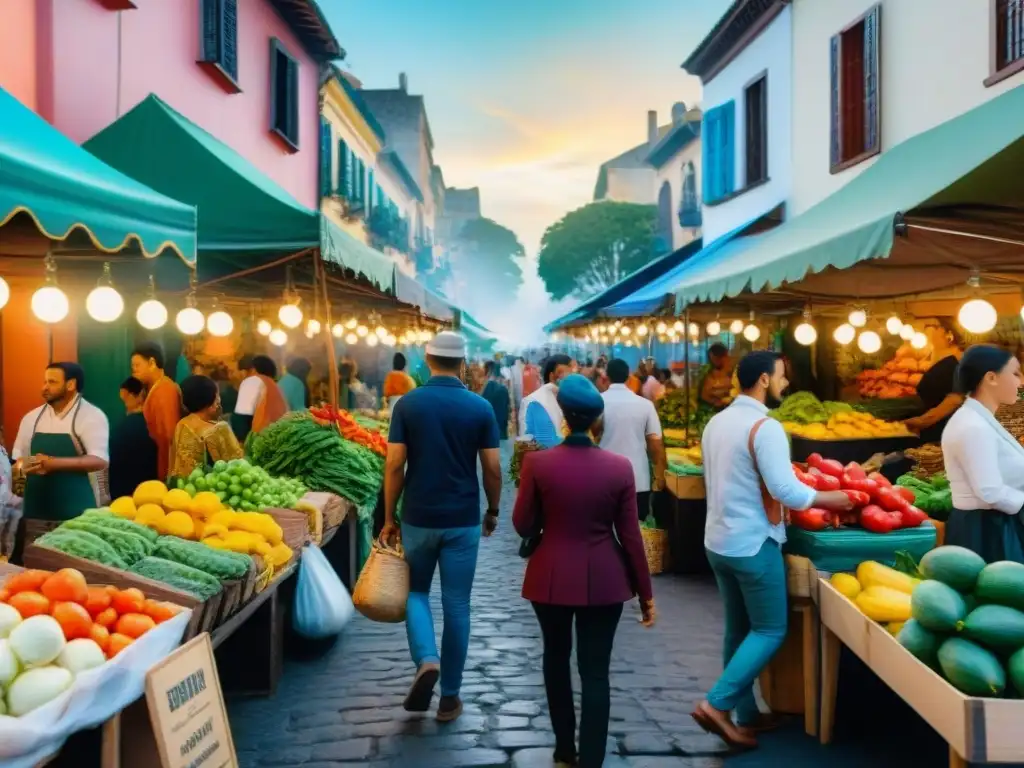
279,555
872,574
177,501
149,492
846,584
179,524
205,505
151,515
894,627
225,517
214,542
244,542
884,604
124,507
214,529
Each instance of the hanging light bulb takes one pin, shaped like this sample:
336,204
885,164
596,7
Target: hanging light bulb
858,318
907,332
372,340
5,293
362,331
190,321
104,304
389,340
736,326
919,341
50,303
151,314
380,332
219,323
660,328
263,327
751,333
337,330
313,326
603,329
678,326
894,325
642,330
351,338
604,339
714,328
629,342
351,323
869,342
844,334
694,330
805,334
290,316
625,330
977,316
278,337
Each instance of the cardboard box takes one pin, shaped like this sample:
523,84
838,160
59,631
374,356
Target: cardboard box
979,730
686,487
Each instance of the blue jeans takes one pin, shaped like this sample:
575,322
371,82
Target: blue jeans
754,592
455,551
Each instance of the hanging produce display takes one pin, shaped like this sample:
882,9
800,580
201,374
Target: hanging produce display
351,428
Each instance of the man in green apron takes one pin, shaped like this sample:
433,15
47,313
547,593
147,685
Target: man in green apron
59,448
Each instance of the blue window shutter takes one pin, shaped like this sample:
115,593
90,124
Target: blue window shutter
210,19
835,142
872,83
325,157
342,187
728,131
360,180
370,184
292,127
229,37
708,134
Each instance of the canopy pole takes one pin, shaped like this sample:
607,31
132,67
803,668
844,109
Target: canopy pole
686,365
970,235
320,276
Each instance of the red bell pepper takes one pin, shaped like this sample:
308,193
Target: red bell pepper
828,483
906,493
877,520
912,516
854,471
812,519
882,480
890,500
857,498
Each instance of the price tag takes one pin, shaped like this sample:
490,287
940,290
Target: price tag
186,707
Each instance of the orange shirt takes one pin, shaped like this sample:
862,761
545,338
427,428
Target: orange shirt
634,384
398,383
531,380
162,410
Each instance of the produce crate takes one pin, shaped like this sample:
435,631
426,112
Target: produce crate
978,730
686,487
204,615
294,525
845,451
844,549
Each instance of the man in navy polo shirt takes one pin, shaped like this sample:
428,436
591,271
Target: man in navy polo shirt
437,432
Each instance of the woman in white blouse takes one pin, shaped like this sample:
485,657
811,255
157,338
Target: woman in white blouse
984,464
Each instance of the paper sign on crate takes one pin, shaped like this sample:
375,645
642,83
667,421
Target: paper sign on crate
186,707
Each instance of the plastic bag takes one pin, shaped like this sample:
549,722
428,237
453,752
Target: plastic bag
322,604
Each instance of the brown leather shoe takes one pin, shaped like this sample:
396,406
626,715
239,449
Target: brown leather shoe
449,709
717,722
421,692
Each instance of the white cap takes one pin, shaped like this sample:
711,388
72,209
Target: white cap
447,344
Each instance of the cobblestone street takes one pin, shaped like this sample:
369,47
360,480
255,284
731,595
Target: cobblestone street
344,709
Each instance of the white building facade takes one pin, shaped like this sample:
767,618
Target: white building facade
676,160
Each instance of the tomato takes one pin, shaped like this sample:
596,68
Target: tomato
807,479
107,618
864,486
890,500
101,636
877,520
854,470
26,581
73,619
66,585
857,498
118,643
30,604
4,595
831,467
160,611
828,483
134,625
98,600
912,516
882,480
906,493
812,519
814,461
129,601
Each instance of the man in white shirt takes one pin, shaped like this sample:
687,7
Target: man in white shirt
631,428
743,545
60,447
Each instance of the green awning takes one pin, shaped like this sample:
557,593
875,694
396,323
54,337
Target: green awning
64,188
947,174
339,247
412,292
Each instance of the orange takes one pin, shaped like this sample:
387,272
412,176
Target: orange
26,581
101,636
134,625
129,601
98,600
30,604
73,619
160,611
117,644
107,618
66,585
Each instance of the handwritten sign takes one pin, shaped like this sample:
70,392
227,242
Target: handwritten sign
186,707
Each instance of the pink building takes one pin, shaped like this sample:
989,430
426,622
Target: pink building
247,71
18,50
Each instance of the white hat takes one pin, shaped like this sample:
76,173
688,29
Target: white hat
447,344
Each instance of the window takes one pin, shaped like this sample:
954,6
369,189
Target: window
856,98
719,152
1008,39
344,188
325,157
284,94
689,207
663,241
756,123
219,40
371,197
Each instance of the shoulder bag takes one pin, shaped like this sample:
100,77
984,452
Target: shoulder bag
773,509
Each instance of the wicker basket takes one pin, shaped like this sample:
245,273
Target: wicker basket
928,460
1012,419
656,549
383,586
801,576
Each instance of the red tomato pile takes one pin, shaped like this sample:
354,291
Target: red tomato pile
112,617
878,505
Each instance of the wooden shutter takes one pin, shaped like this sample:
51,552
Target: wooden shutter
728,138
835,128
872,82
710,154
292,127
325,157
229,37
210,11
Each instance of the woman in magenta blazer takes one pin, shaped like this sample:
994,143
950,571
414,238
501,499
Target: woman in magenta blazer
583,499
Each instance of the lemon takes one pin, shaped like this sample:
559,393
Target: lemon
177,501
846,584
124,507
149,492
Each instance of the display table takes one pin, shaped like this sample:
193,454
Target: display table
978,730
683,519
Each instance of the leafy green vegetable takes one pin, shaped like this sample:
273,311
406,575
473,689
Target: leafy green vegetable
905,563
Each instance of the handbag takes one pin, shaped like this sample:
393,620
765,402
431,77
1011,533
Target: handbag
382,589
773,509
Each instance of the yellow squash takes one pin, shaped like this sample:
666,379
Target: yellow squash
884,605
872,574
846,584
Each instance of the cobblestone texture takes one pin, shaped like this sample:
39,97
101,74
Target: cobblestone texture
345,709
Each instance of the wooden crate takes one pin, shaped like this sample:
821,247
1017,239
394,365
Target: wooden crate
686,487
294,526
978,730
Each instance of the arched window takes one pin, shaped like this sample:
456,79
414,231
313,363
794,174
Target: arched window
689,206
665,218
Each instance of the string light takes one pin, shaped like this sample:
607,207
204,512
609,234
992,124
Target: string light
977,316
190,321
907,332
642,330
263,327
805,334
49,303
694,330
844,334
678,326
219,323
372,341
351,339
714,328
290,316
381,332
362,331
151,314
5,293
751,333
313,326
104,304
278,337
858,318
869,342
919,341
661,327
736,326
894,325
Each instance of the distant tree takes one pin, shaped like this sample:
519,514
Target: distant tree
486,261
597,245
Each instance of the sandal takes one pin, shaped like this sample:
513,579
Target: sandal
421,692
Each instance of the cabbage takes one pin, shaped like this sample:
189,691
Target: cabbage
9,619
8,664
80,655
36,687
37,641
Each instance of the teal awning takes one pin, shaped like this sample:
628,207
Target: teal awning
413,292
64,188
960,171
339,247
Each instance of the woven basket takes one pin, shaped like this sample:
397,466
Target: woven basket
928,460
1011,417
801,576
656,549
382,589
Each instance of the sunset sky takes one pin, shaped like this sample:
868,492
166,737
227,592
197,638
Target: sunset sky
527,99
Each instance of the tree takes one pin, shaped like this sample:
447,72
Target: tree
486,262
593,247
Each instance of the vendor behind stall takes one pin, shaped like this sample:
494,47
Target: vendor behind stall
937,388
714,389
60,446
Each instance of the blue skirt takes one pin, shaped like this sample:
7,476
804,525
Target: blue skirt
992,534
